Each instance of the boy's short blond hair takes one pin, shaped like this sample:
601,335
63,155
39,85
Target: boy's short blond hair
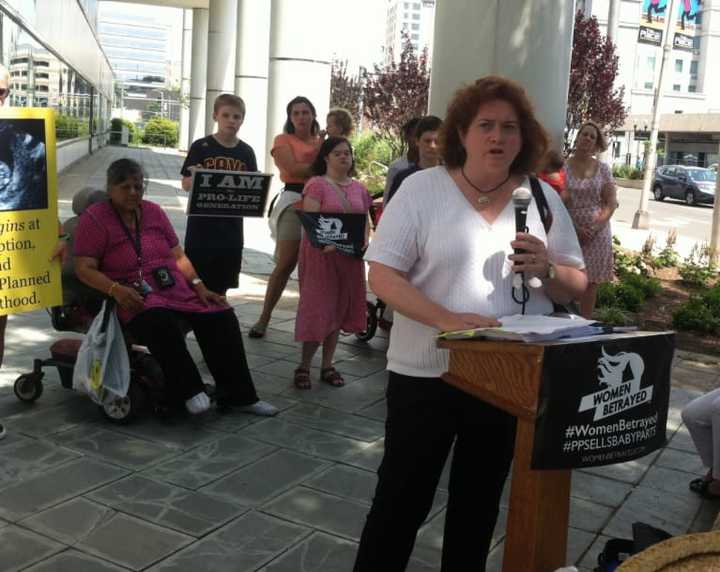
228,99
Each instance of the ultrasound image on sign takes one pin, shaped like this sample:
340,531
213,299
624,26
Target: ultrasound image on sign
228,193
23,165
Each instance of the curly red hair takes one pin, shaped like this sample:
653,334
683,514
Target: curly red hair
464,107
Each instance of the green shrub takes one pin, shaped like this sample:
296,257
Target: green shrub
70,127
711,298
649,286
667,258
161,132
696,315
621,171
622,295
606,296
626,172
372,154
698,268
612,316
629,297
116,125
626,262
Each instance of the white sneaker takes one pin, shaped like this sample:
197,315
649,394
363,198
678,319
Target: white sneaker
200,403
261,408
2,431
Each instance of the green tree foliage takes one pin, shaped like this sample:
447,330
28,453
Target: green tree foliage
161,132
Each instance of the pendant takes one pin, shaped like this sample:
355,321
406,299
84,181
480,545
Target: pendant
483,200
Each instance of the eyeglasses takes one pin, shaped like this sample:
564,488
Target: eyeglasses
4,91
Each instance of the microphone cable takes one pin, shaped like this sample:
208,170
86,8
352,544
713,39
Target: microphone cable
519,290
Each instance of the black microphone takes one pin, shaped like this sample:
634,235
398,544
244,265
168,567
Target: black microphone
521,198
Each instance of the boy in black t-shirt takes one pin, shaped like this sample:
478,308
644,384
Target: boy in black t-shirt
214,244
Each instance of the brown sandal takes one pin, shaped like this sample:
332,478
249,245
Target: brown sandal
302,378
331,376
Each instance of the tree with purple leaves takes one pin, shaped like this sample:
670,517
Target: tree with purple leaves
397,91
592,94
345,90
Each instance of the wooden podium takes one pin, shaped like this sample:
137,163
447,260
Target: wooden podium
507,375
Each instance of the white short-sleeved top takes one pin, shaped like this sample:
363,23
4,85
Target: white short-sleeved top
458,259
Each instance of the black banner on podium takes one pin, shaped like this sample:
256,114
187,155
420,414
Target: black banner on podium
344,231
603,402
228,193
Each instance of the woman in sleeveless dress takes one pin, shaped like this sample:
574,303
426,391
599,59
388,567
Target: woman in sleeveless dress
592,200
332,284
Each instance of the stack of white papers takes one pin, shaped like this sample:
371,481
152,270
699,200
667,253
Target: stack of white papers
530,329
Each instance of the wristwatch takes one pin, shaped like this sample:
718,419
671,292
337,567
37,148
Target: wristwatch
196,281
551,271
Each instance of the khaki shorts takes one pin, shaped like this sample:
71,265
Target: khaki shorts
288,225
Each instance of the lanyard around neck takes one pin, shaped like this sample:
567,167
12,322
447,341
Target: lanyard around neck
134,240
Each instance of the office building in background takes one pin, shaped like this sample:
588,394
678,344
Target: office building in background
415,18
138,41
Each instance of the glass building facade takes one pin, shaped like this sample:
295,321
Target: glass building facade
137,43
51,50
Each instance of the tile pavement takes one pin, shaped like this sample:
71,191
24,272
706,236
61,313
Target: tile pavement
239,493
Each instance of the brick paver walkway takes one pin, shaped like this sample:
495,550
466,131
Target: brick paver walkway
239,493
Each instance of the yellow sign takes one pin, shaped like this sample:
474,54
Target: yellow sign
28,211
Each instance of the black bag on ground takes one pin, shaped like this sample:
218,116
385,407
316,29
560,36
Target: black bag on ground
617,550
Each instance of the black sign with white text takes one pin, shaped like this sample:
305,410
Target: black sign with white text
650,36
603,402
344,231
683,42
228,193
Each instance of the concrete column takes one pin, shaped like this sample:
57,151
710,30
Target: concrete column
667,148
300,60
529,42
251,71
198,77
220,55
185,67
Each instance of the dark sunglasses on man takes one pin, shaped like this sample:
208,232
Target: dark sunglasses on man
4,91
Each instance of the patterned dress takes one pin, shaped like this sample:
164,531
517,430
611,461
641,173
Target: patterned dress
585,204
332,285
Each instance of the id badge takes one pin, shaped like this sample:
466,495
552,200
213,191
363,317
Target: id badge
143,288
163,277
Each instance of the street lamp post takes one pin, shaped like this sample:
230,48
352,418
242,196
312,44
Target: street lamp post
642,216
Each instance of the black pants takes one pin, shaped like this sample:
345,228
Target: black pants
219,269
220,339
425,416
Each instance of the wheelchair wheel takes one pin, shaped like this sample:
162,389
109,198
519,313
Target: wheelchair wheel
372,324
28,387
123,409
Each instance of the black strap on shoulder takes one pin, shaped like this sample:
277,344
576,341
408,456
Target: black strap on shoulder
542,204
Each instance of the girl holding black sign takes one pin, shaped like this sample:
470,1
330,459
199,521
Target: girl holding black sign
332,283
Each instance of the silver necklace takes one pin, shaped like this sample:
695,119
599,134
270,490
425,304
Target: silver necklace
483,199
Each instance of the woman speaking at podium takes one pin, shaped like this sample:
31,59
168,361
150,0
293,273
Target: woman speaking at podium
443,257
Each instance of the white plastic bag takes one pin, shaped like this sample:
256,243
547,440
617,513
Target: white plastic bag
102,369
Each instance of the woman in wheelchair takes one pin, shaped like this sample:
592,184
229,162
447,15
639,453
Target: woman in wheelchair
127,249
